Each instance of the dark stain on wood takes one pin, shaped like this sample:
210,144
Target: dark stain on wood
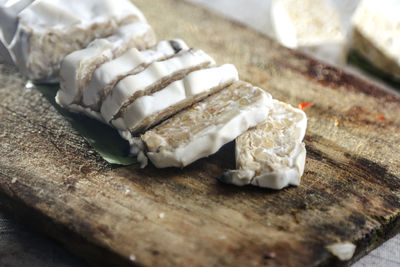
334,77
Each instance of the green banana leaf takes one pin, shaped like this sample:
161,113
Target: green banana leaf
103,138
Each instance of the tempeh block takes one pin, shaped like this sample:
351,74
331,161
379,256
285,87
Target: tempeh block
205,127
272,154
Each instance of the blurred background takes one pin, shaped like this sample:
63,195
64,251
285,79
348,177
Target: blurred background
362,37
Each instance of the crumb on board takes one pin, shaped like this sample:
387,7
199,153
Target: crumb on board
127,192
344,251
29,85
222,237
296,216
336,122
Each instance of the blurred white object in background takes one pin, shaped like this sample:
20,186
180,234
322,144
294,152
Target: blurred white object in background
346,9
296,24
252,13
312,26
376,34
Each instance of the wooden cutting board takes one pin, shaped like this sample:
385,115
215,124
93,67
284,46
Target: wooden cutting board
51,179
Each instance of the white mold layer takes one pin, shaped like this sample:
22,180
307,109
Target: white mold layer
155,77
150,110
132,61
77,68
271,154
205,127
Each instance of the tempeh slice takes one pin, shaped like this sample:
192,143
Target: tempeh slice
77,68
272,154
155,77
131,62
205,127
150,110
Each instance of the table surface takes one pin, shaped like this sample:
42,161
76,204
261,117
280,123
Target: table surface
19,246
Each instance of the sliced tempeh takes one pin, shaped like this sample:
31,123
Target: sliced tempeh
132,61
150,110
272,154
376,34
155,77
48,30
205,127
77,68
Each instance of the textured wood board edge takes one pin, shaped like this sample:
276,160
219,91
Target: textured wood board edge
376,238
44,224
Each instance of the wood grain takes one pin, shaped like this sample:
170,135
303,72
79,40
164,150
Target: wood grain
51,179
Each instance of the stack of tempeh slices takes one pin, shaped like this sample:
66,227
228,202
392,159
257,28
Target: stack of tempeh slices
172,103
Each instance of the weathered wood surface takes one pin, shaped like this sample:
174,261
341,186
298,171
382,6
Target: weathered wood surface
51,179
